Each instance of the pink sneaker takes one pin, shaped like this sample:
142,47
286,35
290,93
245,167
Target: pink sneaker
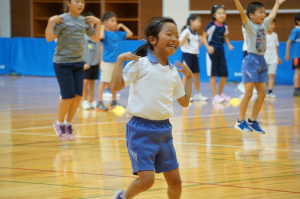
60,131
226,98
69,131
218,99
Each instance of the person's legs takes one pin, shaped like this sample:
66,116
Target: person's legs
174,183
196,82
100,90
63,107
261,94
73,108
222,83
244,103
85,89
212,82
92,90
271,81
297,78
141,184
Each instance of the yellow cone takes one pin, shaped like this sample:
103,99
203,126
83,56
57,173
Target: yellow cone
119,110
235,102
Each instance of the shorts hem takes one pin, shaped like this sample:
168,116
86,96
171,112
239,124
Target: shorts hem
172,167
134,172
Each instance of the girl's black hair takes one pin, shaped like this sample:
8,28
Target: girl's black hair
214,10
192,17
66,8
152,30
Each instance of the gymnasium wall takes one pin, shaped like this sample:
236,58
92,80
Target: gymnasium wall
33,57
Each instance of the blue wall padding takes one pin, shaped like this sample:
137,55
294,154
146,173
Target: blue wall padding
33,56
4,55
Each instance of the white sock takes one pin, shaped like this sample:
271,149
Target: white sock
67,123
60,123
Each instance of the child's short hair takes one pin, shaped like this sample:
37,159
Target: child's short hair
297,18
106,16
214,10
152,29
86,14
252,7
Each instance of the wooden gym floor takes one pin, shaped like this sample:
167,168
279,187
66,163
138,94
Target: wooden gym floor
216,161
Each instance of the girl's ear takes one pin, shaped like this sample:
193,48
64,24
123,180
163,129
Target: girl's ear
152,40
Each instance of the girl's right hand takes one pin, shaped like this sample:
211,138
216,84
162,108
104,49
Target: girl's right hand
210,50
128,56
86,67
56,19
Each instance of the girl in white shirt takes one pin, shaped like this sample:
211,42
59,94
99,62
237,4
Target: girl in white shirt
154,82
190,42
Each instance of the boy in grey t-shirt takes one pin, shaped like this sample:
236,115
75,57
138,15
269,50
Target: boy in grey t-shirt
254,68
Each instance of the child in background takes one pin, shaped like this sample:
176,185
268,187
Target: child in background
153,82
190,42
91,56
254,68
272,57
294,43
69,29
112,40
216,33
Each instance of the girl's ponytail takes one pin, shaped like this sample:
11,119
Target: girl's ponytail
142,50
192,17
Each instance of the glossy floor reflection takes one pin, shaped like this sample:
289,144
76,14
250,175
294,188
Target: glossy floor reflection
216,161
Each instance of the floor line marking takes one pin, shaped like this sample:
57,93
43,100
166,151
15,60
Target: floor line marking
189,182
123,121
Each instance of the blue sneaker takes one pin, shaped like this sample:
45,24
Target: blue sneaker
242,126
255,127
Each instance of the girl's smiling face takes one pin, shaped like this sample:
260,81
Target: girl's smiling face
220,15
195,24
76,6
168,40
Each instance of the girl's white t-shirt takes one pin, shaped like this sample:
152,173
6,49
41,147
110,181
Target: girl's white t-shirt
192,43
152,88
271,53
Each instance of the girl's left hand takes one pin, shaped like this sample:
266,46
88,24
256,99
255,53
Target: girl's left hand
185,70
230,47
279,61
92,20
280,1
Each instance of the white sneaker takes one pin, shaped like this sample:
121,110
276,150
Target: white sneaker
94,104
271,95
241,87
199,97
218,99
226,98
86,105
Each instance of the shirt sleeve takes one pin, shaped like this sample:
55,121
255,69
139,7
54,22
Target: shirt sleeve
57,28
267,23
226,30
293,35
182,34
90,31
250,27
209,28
122,35
130,72
179,89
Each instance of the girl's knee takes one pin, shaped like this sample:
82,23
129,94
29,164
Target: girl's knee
248,95
146,183
261,95
175,184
